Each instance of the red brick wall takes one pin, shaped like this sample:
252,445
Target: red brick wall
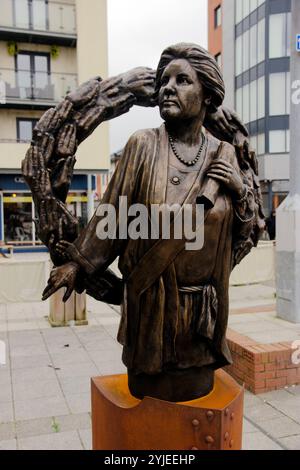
261,367
214,35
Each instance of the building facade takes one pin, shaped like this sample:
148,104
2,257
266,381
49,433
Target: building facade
47,48
256,67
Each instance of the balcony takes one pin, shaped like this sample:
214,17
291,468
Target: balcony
34,90
38,21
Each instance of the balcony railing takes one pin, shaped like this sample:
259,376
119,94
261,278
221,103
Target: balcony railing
38,15
23,86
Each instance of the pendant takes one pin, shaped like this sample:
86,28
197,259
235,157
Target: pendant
175,180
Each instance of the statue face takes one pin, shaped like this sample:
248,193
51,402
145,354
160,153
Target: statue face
181,94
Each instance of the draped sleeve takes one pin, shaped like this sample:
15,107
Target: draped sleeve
88,250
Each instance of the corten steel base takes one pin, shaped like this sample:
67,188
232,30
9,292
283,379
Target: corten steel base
73,312
122,422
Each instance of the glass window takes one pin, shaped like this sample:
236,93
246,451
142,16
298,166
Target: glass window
239,102
253,142
25,127
288,93
246,50
238,11
261,41
261,138
33,74
239,56
253,5
279,93
246,8
277,141
261,97
218,16
253,100
246,107
288,33
253,45
18,225
39,14
278,35
21,9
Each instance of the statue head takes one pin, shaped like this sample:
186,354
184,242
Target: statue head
205,66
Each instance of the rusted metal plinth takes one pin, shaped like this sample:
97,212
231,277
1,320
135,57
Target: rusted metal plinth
122,422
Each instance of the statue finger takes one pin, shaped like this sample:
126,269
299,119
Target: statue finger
68,293
110,83
85,93
50,290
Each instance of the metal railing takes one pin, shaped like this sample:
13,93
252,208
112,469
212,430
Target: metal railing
38,15
24,85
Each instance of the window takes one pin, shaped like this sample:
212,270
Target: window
218,58
18,215
218,16
31,14
279,141
279,35
239,102
253,46
246,104
253,101
246,50
33,74
25,127
261,41
279,94
239,55
261,93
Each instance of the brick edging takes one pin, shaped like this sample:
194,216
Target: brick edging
261,367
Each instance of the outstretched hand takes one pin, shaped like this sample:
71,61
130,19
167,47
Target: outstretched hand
225,124
141,82
64,276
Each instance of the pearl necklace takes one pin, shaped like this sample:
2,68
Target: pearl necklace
187,162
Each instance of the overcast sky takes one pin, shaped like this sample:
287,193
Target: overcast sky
138,31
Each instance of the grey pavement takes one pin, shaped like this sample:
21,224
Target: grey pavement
45,384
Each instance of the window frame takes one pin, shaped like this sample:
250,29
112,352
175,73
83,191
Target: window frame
218,16
21,119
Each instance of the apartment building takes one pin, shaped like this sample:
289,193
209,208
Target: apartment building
256,67
47,48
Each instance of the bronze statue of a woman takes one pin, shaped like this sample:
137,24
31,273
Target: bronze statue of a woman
174,301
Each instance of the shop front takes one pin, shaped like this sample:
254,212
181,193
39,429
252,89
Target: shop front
17,212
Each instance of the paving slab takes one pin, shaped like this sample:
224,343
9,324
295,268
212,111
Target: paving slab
259,441
60,441
79,402
292,442
11,444
86,438
40,408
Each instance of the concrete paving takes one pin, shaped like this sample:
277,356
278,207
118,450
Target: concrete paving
45,384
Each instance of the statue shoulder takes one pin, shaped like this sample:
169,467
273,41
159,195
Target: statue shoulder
144,136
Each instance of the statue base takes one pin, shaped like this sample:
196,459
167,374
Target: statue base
123,422
70,313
